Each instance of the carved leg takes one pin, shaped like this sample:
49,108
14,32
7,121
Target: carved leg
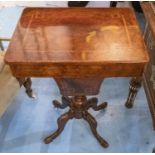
62,120
93,125
26,82
65,103
135,84
92,103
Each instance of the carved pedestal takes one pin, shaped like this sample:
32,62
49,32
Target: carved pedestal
78,105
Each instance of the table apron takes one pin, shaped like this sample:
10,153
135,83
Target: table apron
78,71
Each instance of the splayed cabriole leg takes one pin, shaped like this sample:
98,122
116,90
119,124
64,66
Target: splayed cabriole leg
135,85
93,125
92,103
79,106
62,120
65,103
27,83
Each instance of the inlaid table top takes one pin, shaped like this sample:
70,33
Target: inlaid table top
77,42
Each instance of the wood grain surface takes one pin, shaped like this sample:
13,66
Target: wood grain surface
77,42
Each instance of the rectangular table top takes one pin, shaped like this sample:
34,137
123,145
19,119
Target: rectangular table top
74,42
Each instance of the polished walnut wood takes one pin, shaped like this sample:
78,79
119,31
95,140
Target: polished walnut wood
79,86
78,47
79,106
77,42
149,73
135,85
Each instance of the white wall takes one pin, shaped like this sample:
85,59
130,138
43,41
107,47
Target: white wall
31,3
50,3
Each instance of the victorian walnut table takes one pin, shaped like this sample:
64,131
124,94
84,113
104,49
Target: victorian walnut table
78,47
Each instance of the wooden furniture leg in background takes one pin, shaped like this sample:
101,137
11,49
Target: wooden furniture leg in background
77,3
135,85
113,4
27,83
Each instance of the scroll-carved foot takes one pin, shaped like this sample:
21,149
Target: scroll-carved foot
135,85
65,103
62,120
93,125
92,103
27,83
